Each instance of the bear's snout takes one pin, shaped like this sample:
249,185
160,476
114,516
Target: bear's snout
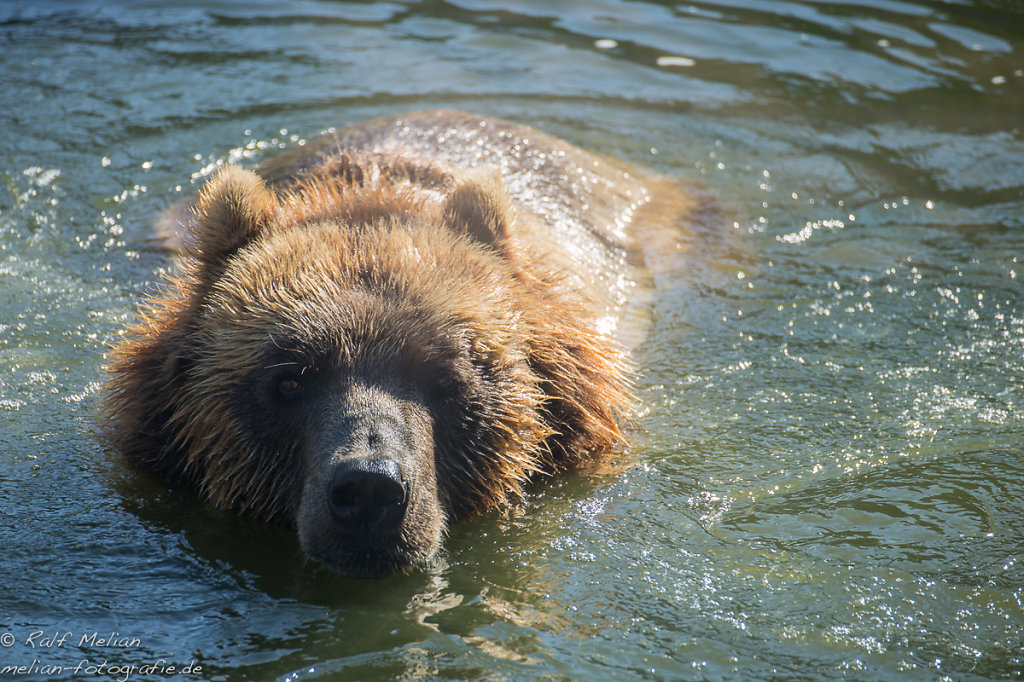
369,505
368,494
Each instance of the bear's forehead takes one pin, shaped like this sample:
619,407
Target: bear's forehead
315,295
385,292
349,316
361,307
421,262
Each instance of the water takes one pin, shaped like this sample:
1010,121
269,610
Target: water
825,476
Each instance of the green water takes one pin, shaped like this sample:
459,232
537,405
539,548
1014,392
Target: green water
825,479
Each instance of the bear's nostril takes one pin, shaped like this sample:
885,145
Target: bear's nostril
367,493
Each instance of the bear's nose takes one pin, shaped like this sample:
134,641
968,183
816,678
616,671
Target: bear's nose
368,493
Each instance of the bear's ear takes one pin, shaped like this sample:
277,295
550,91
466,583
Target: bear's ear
479,206
232,208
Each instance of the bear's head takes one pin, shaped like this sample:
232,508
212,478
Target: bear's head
365,361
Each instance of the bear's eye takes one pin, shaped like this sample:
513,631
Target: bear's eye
445,384
288,386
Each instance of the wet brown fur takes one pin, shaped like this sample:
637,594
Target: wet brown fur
445,245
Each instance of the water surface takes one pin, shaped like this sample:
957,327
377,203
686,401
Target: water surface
825,477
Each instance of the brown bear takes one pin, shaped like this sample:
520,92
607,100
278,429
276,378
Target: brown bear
387,328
